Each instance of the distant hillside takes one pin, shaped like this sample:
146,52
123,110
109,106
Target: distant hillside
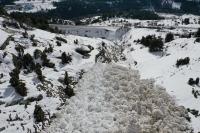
70,9
77,8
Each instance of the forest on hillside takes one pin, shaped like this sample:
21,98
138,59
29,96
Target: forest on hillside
68,9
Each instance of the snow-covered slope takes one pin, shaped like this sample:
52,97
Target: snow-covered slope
162,66
112,98
109,97
17,116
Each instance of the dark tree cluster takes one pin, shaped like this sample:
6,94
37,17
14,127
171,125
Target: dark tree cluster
169,37
38,20
182,62
2,11
39,114
194,112
38,71
31,19
20,50
32,38
121,8
45,61
68,89
58,43
37,54
61,39
192,82
76,41
66,58
197,39
49,49
11,23
15,82
186,21
23,61
154,43
197,33
196,93
25,34
28,63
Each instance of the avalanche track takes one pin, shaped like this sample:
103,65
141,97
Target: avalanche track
113,99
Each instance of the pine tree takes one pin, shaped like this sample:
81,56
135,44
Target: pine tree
14,80
25,34
45,61
39,114
21,89
197,81
37,53
182,62
66,58
17,62
198,33
69,91
49,49
28,62
67,79
58,43
38,71
16,83
169,37
20,50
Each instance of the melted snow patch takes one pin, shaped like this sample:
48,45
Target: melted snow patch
112,98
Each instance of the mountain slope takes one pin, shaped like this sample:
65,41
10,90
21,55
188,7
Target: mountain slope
50,65
112,98
162,66
17,112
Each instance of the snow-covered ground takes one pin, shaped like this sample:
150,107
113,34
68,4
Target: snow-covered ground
51,100
32,5
163,67
110,97
3,36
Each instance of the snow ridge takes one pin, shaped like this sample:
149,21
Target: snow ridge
112,98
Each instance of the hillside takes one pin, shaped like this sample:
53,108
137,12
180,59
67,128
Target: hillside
124,104
73,9
54,82
17,111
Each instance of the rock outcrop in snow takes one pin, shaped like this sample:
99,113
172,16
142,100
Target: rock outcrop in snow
112,98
